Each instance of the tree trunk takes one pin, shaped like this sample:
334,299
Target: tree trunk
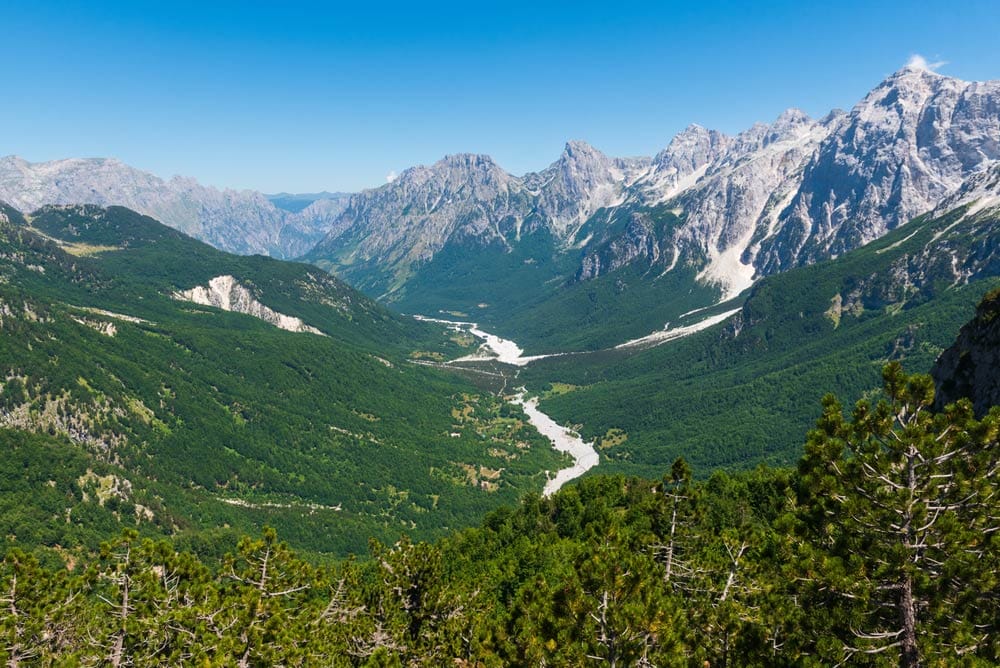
670,545
118,651
909,656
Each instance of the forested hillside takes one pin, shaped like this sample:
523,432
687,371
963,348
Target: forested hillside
880,549
742,392
123,403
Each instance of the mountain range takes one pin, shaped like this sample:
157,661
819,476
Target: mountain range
238,221
710,213
622,245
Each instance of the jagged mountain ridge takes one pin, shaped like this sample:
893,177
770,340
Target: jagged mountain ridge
907,145
776,196
238,221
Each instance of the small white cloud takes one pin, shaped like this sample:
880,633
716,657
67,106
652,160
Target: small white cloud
391,176
918,62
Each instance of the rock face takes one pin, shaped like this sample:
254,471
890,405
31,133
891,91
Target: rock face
907,145
581,181
225,293
411,219
469,199
736,204
776,196
237,221
971,367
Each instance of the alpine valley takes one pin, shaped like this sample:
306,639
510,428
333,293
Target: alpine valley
194,392
674,325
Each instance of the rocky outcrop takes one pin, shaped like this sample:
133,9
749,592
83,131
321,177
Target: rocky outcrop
639,242
737,204
971,367
224,292
582,181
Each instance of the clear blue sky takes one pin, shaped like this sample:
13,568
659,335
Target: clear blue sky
305,96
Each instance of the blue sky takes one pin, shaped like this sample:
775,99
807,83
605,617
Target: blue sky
306,96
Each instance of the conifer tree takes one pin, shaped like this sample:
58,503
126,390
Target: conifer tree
268,590
899,513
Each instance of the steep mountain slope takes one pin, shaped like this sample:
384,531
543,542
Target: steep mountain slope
970,368
182,418
739,393
906,146
699,222
237,221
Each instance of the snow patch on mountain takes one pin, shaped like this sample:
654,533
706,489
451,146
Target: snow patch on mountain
727,270
668,334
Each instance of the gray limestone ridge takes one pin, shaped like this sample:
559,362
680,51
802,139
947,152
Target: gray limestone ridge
241,221
771,198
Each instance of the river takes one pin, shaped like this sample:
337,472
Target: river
584,455
503,350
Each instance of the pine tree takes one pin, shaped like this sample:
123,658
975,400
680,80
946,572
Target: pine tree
899,512
36,611
269,593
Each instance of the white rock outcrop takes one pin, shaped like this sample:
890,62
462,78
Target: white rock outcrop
226,293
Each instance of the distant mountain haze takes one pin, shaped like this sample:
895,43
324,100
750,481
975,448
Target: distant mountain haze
237,221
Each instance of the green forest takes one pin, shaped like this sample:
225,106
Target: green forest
185,420
880,548
183,485
826,327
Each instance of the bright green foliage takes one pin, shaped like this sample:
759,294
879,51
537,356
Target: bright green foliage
763,568
881,549
121,406
899,521
743,392
268,591
37,609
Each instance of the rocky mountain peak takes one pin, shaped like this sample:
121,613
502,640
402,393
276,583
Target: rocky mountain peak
691,149
907,95
469,161
792,125
903,148
577,149
452,172
790,121
580,165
